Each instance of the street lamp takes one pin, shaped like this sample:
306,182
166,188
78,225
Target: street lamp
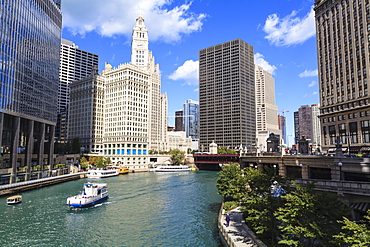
340,171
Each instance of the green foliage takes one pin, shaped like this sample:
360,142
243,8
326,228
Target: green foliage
84,163
309,219
229,205
225,150
177,156
231,183
102,162
354,234
59,165
263,199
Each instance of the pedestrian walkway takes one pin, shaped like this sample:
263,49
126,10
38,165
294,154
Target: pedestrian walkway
238,233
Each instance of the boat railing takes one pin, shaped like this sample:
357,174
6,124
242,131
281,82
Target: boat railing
9,186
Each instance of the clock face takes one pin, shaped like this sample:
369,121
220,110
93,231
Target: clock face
140,44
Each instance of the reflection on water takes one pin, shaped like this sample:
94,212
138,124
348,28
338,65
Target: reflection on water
144,209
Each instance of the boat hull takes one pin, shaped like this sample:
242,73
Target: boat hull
88,204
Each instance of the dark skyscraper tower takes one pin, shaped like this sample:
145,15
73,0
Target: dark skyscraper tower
227,95
179,120
29,60
75,64
342,39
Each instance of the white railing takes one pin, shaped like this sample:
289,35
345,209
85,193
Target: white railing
9,186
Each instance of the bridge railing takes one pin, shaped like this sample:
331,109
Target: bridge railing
350,187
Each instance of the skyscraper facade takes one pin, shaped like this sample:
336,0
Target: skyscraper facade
179,120
86,113
343,61
316,127
75,64
29,64
227,95
129,116
191,119
304,120
266,110
282,128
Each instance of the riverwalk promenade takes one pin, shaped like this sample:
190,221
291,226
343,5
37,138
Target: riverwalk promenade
237,234
8,189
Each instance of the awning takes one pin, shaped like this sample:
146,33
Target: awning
331,149
360,206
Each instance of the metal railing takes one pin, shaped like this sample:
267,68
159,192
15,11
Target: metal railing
9,186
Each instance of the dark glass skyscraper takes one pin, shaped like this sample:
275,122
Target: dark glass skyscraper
227,95
30,33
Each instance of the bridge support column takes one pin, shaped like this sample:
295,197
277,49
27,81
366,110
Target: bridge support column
305,174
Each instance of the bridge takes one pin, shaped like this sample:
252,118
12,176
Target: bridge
347,177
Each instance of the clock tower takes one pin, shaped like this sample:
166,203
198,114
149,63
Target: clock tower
139,44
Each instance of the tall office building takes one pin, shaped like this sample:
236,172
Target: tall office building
282,128
75,64
179,120
191,119
303,123
344,65
266,110
227,95
86,113
316,127
29,62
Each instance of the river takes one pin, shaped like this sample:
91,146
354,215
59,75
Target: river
144,209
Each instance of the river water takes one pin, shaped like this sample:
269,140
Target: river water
144,209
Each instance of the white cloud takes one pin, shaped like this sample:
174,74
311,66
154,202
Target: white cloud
117,17
188,72
315,93
308,73
313,83
260,60
289,30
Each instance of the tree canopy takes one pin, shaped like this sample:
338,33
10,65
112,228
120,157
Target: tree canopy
177,156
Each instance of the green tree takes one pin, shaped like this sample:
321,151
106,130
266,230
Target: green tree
102,162
354,234
231,183
225,150
84,163
177,156
309,219
263,199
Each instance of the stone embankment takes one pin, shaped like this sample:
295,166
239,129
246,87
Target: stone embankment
38,183
237,234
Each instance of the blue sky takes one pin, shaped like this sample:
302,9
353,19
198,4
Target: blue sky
282,33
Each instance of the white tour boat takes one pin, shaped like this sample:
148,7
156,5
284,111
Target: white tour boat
92,193
171,168
102,173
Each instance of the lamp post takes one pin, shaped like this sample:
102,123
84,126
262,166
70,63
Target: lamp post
340,171
349,143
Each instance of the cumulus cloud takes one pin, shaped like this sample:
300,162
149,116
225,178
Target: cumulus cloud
259,59
289,30
308,73
188,72
117,17
313,83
